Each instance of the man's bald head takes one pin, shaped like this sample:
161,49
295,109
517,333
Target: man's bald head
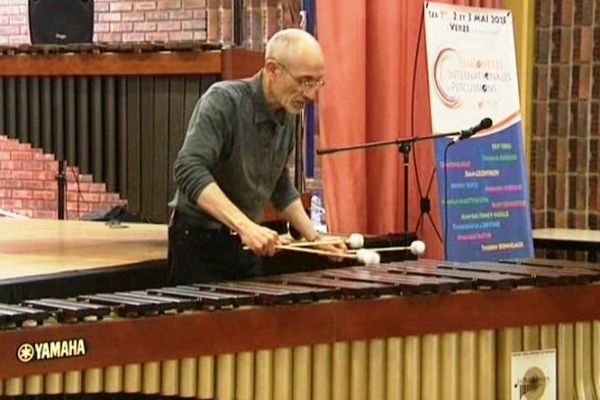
294,70
293,45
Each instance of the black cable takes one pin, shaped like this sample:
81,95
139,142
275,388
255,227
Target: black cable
79,194
435,228
445,198
413,94
412,129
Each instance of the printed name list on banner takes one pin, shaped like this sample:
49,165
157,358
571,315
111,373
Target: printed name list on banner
483,186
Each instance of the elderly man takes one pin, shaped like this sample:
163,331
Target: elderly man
234,159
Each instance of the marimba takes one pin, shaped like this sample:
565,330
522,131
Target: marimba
405,330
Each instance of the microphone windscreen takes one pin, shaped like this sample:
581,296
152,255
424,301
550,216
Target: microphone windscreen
486,123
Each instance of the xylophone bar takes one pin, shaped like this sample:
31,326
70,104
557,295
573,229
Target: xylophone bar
263,295
564,276
69,309
479,279
302,293
167,303
542,276
412,284
13,314
556,264
214,299
123,305
342,288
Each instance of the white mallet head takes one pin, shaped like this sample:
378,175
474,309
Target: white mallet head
417,248
368,257
375,259
356,241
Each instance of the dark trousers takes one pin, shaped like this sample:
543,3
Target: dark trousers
199,255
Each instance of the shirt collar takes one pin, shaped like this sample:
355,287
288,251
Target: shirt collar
261,110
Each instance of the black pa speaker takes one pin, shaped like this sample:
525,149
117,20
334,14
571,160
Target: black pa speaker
61,21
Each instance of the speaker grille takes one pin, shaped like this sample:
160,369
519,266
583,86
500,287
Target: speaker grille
61,21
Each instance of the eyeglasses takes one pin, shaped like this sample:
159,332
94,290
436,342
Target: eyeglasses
305,84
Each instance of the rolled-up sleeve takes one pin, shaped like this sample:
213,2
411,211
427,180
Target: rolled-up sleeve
208,133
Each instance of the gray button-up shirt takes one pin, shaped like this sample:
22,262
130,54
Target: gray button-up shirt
232,139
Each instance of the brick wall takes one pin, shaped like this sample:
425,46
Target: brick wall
120,20
14,22
261,19
565,165
28,185
165,20
149,20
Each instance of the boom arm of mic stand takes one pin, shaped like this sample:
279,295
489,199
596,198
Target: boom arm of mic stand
356,147
398,142
404,146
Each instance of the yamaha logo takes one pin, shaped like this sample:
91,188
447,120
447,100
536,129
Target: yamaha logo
25,352
50,350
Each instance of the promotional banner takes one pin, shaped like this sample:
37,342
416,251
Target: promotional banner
474,90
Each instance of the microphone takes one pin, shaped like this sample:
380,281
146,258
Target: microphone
467,133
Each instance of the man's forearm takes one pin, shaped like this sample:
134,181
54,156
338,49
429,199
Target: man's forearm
296,216
261,240
215,202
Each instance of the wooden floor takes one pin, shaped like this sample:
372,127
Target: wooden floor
35,247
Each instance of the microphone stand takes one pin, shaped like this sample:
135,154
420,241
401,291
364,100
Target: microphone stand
404,146
61,179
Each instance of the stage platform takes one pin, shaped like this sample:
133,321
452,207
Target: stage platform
60,258
568,239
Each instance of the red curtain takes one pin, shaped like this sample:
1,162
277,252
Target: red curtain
371,58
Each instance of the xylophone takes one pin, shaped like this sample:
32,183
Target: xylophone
417,329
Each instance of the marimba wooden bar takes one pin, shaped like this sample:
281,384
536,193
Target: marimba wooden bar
410,330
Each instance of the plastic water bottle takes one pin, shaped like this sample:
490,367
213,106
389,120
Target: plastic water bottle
317,213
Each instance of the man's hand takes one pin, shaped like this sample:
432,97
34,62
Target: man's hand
261,240
336,247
